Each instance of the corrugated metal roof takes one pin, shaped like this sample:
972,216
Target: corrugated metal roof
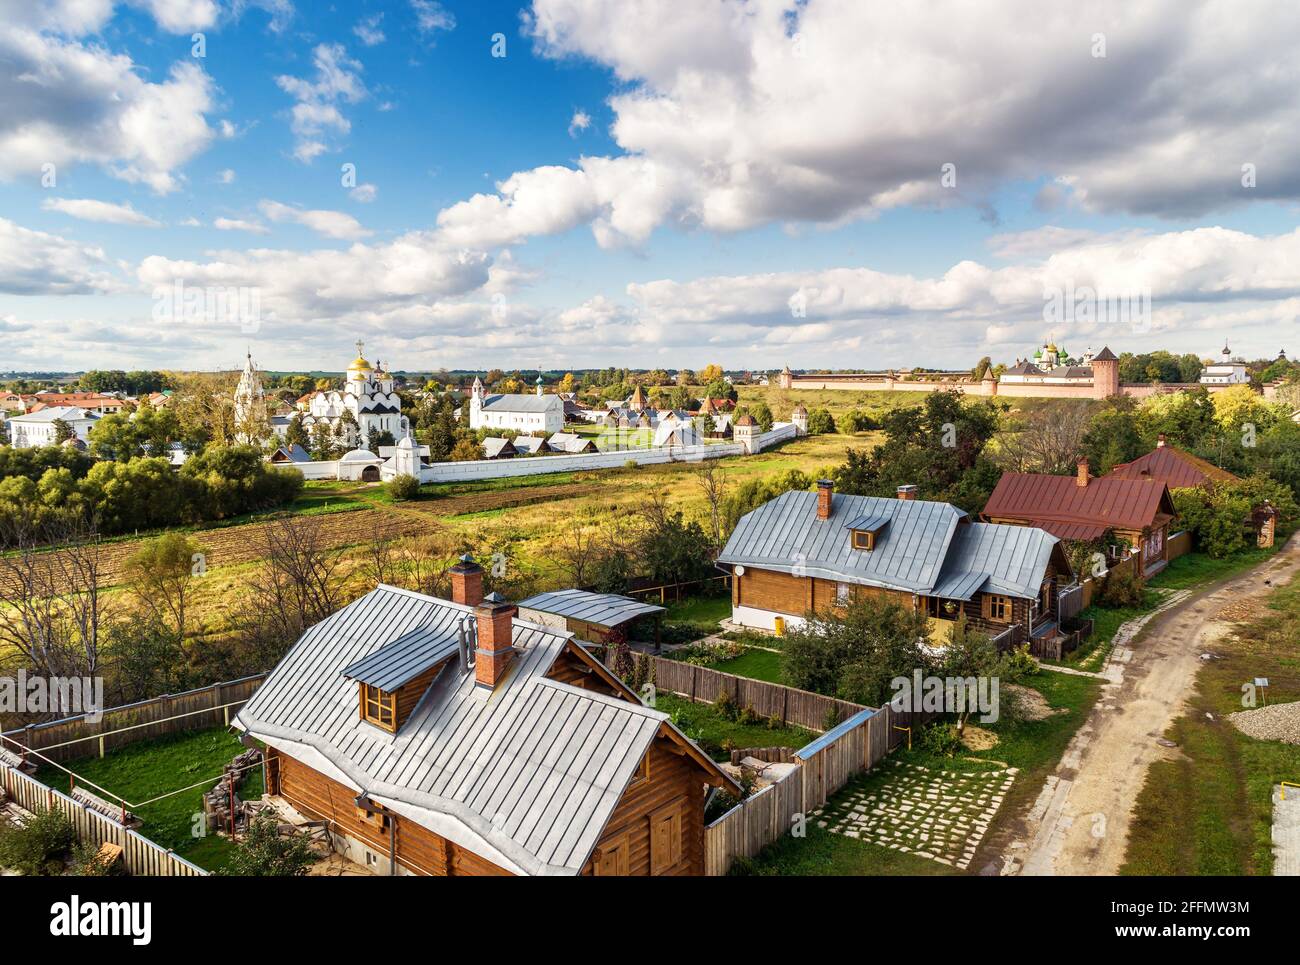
1173,467
868,524
603,609
531,772
784,534
402,660
1107,502
995,559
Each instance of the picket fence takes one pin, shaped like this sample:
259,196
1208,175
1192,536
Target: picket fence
140,855
824,766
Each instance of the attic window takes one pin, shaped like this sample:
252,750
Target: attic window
865,530
379,707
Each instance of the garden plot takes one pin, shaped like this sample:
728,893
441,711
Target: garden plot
937,814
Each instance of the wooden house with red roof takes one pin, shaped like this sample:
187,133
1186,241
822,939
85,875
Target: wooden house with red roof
1080,507
1173,467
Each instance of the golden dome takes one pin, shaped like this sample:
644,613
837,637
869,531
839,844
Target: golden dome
359,363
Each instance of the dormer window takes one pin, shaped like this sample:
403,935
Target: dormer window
865,532
379,707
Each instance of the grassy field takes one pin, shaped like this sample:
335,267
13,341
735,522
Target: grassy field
145,770
1032,746
716,734
1208,811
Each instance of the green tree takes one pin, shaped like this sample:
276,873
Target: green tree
855,652
165,574
265,852
820,422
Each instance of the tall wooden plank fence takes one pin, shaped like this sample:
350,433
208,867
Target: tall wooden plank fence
75,737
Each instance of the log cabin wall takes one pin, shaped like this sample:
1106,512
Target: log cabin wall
796,595
673,786
419,850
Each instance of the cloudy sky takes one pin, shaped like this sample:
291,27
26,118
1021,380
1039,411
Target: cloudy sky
643,182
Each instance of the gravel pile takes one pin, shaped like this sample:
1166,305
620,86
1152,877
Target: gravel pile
1277,722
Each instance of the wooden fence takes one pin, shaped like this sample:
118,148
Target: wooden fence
140,855
824,766
74,737
786,704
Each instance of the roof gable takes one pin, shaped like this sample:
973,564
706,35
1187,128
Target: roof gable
1105,503
1173,467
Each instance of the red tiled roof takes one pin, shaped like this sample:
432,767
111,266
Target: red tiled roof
1173,467
1109,502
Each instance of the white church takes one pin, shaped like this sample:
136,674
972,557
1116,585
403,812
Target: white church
531,414
368,395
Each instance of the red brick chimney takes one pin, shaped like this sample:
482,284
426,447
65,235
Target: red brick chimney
495,619
825,493
1160,441
467,581
907,492
1081,479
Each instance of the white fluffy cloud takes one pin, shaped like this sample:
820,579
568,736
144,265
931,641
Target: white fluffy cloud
834,110
37,263
316,116
331,224
240,224
68,101
301,289
88,209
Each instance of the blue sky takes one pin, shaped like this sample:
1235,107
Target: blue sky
736,159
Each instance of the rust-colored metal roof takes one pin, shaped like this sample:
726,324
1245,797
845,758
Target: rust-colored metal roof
1173,467
1109,503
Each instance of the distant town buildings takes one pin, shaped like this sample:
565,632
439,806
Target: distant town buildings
365,409
1227,371
41,428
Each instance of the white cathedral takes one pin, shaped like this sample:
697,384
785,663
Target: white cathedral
368,395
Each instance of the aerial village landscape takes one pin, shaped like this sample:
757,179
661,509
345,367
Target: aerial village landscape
362,514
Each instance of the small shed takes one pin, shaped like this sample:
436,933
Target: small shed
597,617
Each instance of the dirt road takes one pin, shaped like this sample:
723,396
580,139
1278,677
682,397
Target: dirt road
1079,824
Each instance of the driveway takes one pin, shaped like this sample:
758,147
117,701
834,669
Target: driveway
1079,824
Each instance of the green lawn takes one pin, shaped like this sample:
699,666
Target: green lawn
700,609
1034,747
1197,569
755,664
716,734
150,768
1208,811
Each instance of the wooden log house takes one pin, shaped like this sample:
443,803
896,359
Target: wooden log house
441,737
807,552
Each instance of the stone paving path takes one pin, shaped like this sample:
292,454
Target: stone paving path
936,814
1286,831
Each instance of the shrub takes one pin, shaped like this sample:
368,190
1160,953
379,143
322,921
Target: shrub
1019,664
940,739
726,706
265,853
831,719
820,422
404,487
32,847
748,715
1123,588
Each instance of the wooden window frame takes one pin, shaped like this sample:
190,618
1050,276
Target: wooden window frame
995,602
613,857
642,771
671,813
385,703
843,594
864,540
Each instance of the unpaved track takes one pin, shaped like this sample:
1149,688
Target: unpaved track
1080,822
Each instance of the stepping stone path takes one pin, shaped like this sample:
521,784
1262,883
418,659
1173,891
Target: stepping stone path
936,814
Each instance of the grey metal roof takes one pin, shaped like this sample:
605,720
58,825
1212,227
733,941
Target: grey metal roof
924,547
1006,559
603,609
868,524
527,776
784,534
402,660
512,402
